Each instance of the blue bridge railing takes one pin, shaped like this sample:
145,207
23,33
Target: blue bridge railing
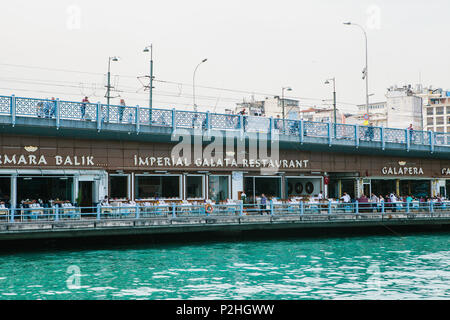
413,209
342,134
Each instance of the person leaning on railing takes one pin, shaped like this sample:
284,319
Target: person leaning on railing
121,109
263,204
40,110
49,108
411,133
83,107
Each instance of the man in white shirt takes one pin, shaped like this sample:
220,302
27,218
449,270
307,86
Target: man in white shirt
393,197
346,198
320,196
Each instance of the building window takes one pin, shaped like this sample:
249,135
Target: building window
430,121
118,187
448,120
43,188
194,187
302,186
448,110
5,190
218,188
430,111
439,120
254,187
416,188
440,110
157,187
440,129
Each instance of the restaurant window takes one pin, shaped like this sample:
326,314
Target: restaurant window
447,188
254,187
157,187
439,120
384,187
430,121
47,189
118,186
448,120
415,188
348,185
296,186
430,111
218,188
333,189
440,129
5,190
440,110
194,187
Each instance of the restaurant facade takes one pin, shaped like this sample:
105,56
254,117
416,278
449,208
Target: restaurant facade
86,171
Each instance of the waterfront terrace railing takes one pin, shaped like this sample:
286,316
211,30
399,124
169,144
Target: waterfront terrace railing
170,211
353,135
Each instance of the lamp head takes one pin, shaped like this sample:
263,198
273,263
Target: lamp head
147,49
204,60
348,23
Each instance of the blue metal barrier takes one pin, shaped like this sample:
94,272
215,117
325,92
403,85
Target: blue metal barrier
329,208
330,133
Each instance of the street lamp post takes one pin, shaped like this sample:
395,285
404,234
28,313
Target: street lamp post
108,87
282,105
366,70
334,101
193,83
150,104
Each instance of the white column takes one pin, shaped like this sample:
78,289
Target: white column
101,187
13,191
75,189
130,182
359,187
237,184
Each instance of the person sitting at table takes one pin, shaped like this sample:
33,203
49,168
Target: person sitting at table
364,205
105,201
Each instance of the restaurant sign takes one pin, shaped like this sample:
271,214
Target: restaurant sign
30,160
219,163
402,170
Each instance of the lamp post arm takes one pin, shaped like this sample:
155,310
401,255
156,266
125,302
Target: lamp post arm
193,85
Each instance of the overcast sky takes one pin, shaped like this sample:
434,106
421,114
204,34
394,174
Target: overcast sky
252,47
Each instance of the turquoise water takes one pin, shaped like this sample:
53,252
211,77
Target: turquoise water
373,267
